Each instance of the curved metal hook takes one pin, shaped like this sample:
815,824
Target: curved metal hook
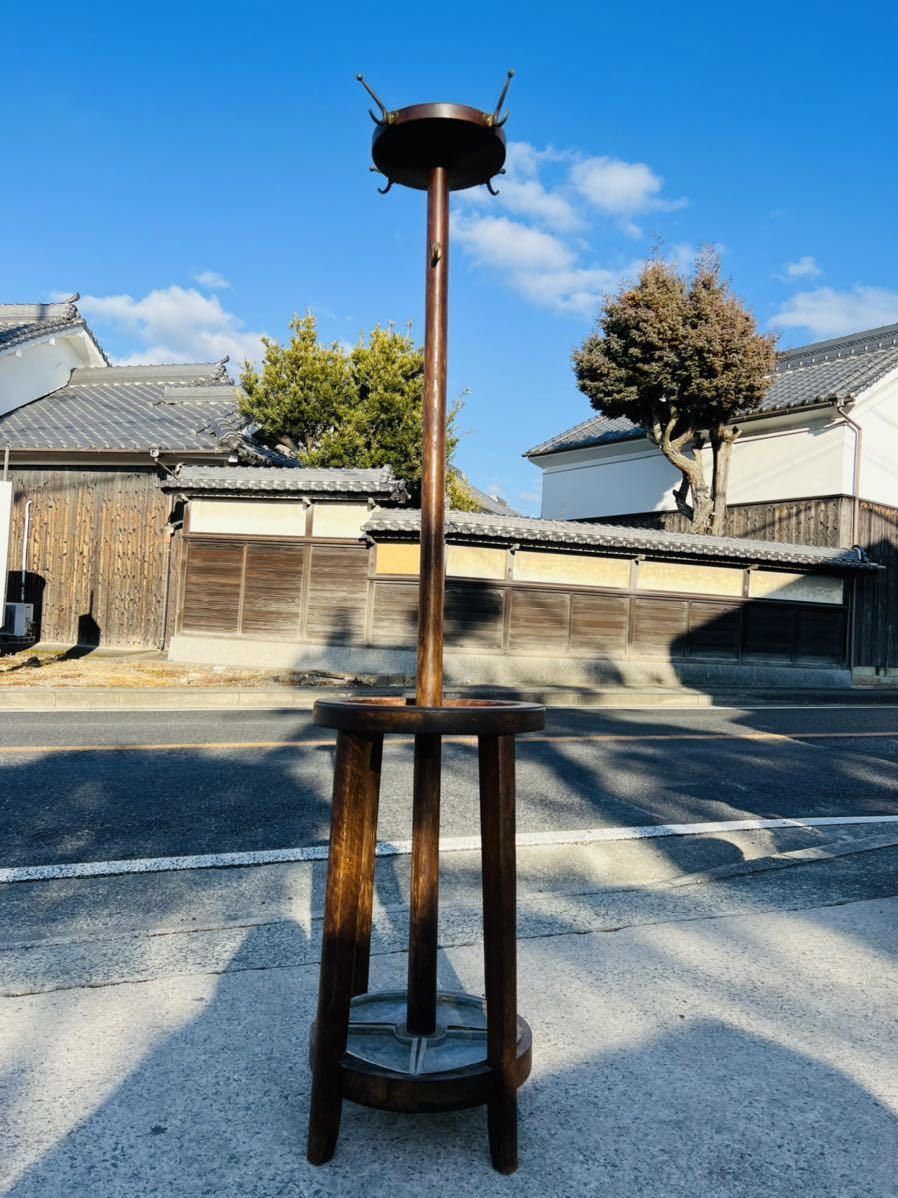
496,121
494,191
386,117
383,190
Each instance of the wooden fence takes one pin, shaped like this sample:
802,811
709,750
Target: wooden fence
306,591
97,555
824,521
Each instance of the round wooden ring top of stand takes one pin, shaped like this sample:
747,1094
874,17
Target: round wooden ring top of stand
460,717
414,140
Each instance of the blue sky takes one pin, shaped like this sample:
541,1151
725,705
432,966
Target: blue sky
200,171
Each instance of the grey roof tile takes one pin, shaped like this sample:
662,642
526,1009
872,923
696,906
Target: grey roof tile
286,480
17,315
826,371
530,530
129,408
21,323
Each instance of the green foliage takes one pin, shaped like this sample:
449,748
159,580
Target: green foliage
359,407
681,357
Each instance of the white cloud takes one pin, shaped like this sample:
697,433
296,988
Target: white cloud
508,244
174,324
620,188
211,278
522,192
579,291
537,265
528,197
826,312
805,268
552,197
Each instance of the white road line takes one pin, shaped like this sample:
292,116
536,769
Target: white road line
402,848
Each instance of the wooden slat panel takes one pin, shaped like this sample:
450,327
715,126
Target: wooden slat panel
272,590
820,637
768,631
599,624
474,616
96,552
337,593
212,587
395,620
825,521
539,621
714,629
659,627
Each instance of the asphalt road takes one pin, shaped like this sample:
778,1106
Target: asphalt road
97,786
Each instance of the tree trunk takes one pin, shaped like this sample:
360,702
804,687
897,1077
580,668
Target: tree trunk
699,511
722,451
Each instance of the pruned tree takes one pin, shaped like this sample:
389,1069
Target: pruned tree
681,357
329,405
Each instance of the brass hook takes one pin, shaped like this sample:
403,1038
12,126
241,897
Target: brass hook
386,117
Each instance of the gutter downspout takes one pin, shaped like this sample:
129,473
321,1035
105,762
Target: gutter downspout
856,473
855,520
25,533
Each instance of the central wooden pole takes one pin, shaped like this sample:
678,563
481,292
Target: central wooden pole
425,886
433,478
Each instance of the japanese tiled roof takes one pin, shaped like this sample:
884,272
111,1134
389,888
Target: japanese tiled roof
606,538
825,372
286,480
172,408
21,323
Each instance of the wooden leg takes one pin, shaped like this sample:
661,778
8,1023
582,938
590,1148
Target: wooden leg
497,830
357,755
425,891
369,795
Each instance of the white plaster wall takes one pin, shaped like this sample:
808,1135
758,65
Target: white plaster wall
248,516
788,458
5,529
791,463
596,483
877,414
30,371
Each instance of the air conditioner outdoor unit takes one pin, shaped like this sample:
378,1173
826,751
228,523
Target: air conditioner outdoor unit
18,621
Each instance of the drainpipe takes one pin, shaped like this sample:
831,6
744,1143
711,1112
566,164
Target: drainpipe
842,409
25,532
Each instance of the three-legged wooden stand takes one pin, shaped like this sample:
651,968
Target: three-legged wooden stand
422,1050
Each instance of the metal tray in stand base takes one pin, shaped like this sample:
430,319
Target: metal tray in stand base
420,1050
390,1068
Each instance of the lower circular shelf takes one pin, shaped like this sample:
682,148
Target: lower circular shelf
388,1067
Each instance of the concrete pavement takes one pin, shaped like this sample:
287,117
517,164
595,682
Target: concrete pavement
731,1036
713,1014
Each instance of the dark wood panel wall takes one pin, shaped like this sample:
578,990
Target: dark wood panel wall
98,554
229,590
825,521
876,596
